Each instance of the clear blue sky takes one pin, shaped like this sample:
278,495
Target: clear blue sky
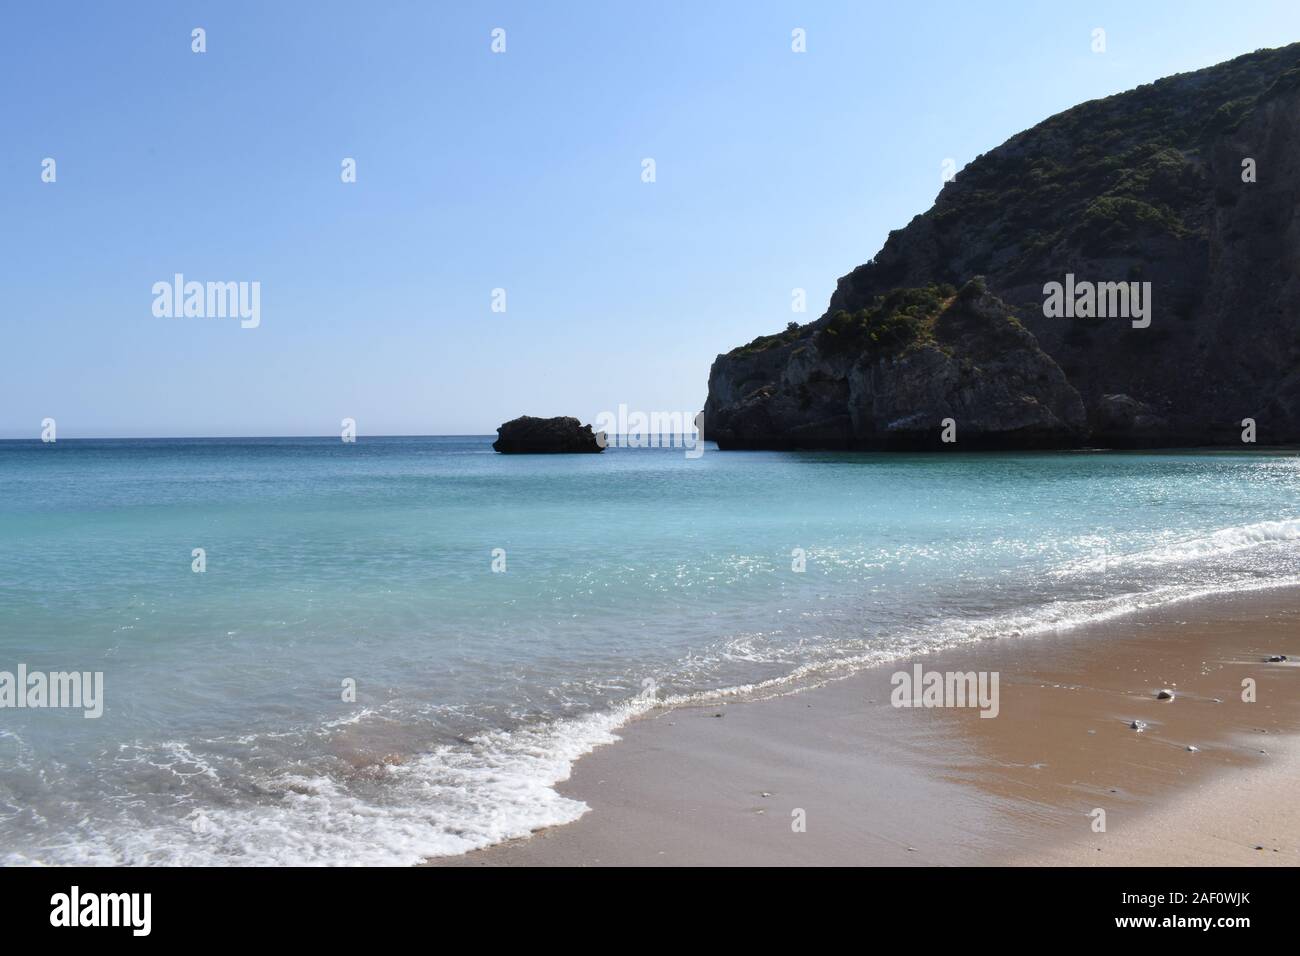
775,170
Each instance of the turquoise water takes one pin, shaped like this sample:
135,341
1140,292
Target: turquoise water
635,576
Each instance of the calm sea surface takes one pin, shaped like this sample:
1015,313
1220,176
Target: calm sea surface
634,575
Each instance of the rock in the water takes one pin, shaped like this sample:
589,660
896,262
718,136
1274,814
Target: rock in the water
1138,725
1165,695
1276,658
1193,749
539,436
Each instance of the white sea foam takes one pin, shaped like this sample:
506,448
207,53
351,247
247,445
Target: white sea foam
1226,541
501,785
451,800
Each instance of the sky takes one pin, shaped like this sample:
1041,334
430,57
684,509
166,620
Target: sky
521,170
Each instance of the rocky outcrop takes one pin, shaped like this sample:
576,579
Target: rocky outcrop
896,377
1191,184
537,436
1119,421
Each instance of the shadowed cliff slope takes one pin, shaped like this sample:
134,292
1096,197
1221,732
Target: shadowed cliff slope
1142,187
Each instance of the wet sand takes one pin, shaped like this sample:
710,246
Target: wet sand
875,784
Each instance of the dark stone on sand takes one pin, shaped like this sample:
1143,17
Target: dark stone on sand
1165,695
546,436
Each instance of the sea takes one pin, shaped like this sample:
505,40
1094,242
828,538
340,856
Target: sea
318,652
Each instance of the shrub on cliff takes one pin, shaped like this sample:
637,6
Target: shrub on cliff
893,323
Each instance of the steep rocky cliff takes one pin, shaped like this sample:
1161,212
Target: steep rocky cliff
1149,186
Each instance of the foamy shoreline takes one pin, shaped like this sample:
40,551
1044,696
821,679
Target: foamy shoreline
882,785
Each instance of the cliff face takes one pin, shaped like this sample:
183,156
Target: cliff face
1143,187
890,375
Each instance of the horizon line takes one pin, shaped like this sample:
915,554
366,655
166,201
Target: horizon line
242,437
335,436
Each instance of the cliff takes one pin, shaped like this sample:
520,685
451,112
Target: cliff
1147,187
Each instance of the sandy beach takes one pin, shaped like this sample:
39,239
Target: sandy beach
834,774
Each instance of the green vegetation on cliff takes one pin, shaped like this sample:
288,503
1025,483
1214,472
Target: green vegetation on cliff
892,324
1185,185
